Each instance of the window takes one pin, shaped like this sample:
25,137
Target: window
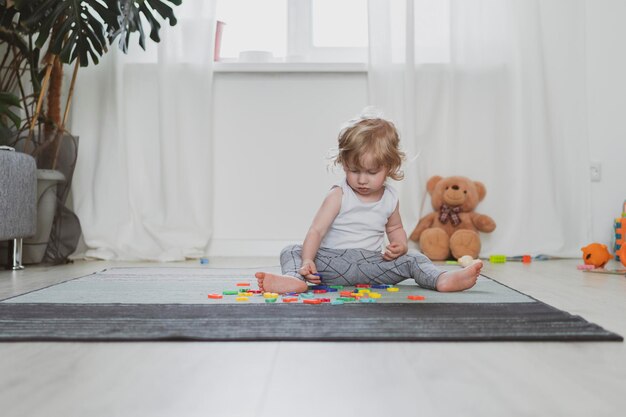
430,30
293,30
339,23
252,25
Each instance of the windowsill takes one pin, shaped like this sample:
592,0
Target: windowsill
290,67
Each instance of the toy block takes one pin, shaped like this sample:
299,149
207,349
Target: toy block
215,296
526,259
230,292
393,289
416,297
312,301
243,284
497,259
242,299
289,299
320,287
375,295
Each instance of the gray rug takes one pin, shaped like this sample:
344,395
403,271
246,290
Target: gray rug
158,304
184,285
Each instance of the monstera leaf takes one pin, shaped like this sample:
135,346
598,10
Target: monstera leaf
7,102
129,19
77,30
80,29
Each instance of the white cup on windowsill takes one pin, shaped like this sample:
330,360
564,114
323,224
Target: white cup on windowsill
256,56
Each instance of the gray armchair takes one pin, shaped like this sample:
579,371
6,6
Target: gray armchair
18,205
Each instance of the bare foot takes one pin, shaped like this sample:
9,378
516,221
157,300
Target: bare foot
459,280
279,283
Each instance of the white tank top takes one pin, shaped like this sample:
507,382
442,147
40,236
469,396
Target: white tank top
360,225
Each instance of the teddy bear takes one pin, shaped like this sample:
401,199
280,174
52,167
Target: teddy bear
454,225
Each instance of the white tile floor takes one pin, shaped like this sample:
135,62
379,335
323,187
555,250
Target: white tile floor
312,379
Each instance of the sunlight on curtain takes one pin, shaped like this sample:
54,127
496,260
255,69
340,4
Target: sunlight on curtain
493,90
143,183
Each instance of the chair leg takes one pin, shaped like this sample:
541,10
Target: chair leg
16,257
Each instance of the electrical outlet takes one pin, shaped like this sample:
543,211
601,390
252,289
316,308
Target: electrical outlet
595,171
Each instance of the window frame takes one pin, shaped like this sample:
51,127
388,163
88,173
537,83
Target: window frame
301,54
300,39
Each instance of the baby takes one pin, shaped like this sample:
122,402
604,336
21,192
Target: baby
344,243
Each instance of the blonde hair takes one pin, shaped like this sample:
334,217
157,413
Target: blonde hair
375,136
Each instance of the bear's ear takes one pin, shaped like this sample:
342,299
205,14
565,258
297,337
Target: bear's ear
432,182
482,191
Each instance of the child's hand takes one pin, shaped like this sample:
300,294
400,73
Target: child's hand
394,251
309,271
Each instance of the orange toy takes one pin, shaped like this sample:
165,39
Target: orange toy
622,254
596,254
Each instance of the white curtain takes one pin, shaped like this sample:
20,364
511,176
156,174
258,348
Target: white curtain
493,90
143,181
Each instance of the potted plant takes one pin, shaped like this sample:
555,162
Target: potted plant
37,38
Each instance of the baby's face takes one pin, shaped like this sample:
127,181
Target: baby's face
368,179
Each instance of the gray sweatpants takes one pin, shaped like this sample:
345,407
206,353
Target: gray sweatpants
360,266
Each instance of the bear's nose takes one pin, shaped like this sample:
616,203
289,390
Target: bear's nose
455,187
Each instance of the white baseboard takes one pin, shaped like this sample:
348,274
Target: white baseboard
248,247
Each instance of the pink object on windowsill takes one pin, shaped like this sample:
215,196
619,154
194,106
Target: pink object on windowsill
219,28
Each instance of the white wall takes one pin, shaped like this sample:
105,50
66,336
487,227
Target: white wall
606,92
273,130
272,135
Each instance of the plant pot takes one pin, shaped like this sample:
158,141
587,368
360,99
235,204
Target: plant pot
34,248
